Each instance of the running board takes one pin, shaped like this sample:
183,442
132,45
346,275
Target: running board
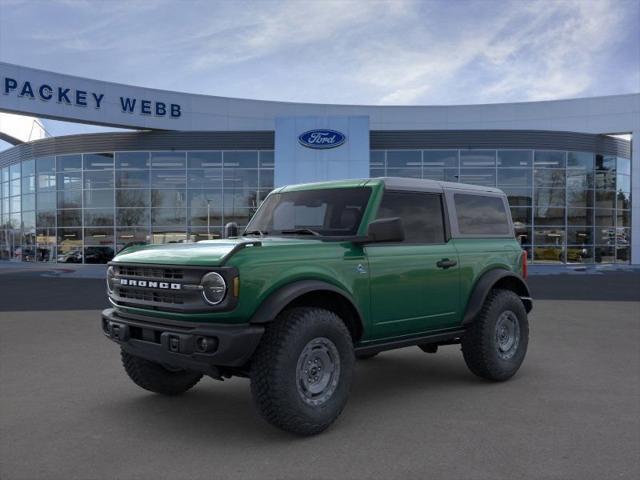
443,338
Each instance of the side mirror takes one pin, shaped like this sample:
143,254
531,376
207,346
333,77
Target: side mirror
385,230
231,230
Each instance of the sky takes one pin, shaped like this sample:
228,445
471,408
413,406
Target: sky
395,52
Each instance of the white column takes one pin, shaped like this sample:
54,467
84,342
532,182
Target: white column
635,198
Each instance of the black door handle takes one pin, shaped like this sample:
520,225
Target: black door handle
446,263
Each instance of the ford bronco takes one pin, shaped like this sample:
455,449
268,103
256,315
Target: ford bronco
325,274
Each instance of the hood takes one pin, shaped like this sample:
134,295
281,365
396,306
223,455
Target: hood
205,253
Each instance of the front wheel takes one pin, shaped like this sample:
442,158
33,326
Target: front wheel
301,373
158,378
495,344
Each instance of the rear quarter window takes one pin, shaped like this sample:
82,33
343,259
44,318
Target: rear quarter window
481,215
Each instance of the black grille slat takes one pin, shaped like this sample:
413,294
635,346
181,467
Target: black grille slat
151,296
150,272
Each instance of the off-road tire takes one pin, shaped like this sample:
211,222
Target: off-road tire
275,383
480,345
156,378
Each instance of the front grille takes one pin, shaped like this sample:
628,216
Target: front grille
150,272
156,296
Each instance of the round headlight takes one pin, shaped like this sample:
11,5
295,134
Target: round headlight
111,273
214,288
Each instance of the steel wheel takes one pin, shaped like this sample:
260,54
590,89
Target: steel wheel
318,371
507,334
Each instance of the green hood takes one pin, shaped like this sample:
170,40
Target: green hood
206,253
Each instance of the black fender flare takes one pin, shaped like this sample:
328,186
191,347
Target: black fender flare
484,285
282,297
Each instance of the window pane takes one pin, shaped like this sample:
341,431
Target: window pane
168,235
98,199
133,216
70,199
549,178
46,181
548,254
204,159
549,159
477,158
518,197
28,168
168,160
478,176
442,174
98,179
545,197
605,217
168,179
580,178
132,160
267,159
623,166
29,202
481,215
624,218
582,160
515,158
234,177
581,254
201,216
605,254
70,245
70,218
199,234
580,236
46,200
605,163
623,183
206,178
404,158
28,184
440,158
69,162
45,165
132,198
46,219
169,217
549,236
98,216
579,197
98,254
514,176
98,161
126,237
605,199
70,180
241,159
132,178
376,159
521,216
168,198
405,172
548,215
579,216
204,198
266,179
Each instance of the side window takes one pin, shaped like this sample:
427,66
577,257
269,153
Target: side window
421,215
481,215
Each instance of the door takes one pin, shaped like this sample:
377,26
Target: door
414,284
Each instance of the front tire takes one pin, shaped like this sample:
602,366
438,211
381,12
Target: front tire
157,378
495,344
302,370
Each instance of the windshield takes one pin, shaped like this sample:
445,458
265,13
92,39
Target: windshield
324,212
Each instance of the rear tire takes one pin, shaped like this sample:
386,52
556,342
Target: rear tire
302,370
495,344
156,378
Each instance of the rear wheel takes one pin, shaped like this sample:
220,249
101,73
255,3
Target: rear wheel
158,378
495,344
301,373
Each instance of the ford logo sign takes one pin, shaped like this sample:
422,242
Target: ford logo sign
322,138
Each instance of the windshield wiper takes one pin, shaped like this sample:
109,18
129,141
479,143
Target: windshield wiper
254,232
302,231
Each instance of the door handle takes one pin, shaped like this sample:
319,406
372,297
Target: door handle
446,263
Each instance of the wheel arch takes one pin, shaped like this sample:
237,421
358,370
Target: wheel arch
315,293
496,278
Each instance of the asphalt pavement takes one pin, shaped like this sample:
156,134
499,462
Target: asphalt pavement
68,411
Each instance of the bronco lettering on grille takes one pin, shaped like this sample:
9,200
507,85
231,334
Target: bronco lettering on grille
150,284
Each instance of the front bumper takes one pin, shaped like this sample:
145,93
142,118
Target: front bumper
197,347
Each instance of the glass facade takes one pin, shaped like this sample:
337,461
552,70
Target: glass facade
82,208
567,207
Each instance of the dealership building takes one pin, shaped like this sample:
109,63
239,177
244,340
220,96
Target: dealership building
192,163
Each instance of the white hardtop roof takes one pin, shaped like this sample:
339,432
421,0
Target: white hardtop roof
427,184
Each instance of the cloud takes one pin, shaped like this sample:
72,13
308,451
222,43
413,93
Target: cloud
338,51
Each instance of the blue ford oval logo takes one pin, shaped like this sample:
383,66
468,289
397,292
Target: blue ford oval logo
322,138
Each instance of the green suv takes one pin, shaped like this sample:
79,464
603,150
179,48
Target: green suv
324,274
